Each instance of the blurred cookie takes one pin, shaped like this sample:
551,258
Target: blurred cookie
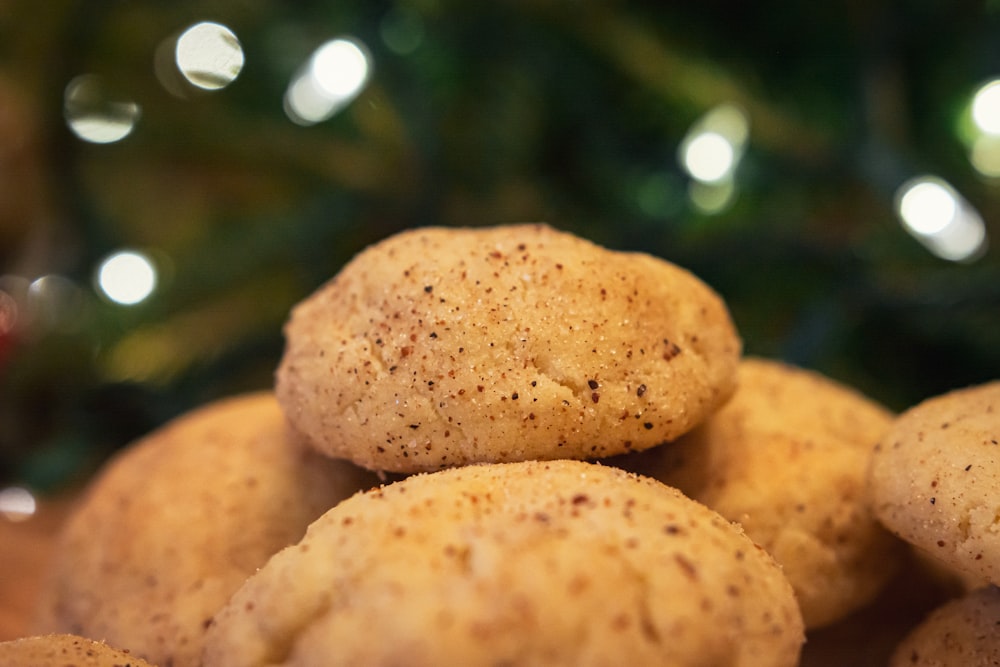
176,522
787,457
554,563
443,347
935,479
962,633
869,636
64,651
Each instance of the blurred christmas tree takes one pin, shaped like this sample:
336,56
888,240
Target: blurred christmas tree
762,145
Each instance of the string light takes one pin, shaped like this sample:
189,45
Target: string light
94,115
17,503
127,277
934,213
209,55
334,75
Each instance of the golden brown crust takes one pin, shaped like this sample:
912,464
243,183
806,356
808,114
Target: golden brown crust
554,563
443,347
175,523
60,650
935,479
787,457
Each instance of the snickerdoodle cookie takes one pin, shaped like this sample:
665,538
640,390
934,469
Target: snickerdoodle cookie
935,479
175,523
960,633
532,563
64,651
787,457
441,347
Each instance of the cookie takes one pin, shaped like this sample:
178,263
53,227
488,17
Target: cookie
935,479
787,457
64,651
962,632
176,522
555,563
869,636
443,347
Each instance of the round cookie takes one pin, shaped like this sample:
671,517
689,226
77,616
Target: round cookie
530,563
64,651
962,633
442,347
787,457
178,520
935,479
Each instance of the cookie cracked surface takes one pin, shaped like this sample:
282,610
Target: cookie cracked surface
532,563
443,347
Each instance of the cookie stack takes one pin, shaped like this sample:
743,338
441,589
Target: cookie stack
491,446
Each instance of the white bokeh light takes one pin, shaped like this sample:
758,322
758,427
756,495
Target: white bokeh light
209,55
986,108
708,157
332,78
17,503
713,147
94,115
941,219
927,205
127,277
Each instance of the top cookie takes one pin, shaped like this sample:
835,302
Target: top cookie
442,347
935,479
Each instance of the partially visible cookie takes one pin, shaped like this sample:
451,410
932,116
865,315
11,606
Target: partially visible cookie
64,651
553,563
176,522
442,347
935,479
960,633
787,457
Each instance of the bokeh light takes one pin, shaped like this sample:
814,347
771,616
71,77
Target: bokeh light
986,108
941,219
209,55
94,115
54,302
709,157
927,205
710,153
985,155
127,277
17,503
712,198
333,77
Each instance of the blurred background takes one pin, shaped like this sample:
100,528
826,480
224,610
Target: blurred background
174,176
